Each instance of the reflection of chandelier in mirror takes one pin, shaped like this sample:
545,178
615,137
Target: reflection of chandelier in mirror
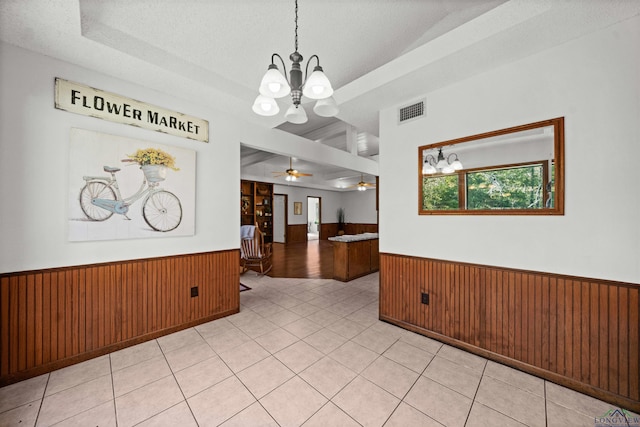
315,86
432,165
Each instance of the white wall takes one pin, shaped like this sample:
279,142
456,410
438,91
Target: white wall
360,206
594,83
34,161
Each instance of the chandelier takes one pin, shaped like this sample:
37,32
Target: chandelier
274,85
432,165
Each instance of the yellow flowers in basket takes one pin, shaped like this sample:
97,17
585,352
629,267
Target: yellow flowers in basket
153,156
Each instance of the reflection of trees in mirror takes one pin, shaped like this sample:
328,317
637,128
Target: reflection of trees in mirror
513,188
440,192
509,187
551,188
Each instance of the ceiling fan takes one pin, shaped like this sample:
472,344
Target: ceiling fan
362,186
291,174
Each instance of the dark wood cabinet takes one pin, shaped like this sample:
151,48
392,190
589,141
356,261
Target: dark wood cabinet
256,206
355,259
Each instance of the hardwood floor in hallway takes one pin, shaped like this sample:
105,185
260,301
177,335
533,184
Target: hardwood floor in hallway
312,260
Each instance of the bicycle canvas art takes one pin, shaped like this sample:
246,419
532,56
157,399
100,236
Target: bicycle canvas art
124,188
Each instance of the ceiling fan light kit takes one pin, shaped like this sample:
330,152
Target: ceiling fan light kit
274,85
291,174
362,186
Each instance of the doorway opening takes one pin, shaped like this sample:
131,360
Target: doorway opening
313,218
280,218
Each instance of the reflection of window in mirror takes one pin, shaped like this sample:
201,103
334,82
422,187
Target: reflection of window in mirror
517,170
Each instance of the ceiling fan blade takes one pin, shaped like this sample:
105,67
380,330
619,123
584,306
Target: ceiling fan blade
362,184
302,174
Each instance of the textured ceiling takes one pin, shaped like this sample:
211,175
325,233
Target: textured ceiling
377,53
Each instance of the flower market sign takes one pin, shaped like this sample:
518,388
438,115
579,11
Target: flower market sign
85,100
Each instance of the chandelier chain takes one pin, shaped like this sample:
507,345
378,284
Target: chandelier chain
296,40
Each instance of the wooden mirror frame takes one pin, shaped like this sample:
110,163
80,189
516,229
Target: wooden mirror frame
558,145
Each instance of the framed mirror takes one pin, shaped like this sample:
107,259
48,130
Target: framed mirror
514,171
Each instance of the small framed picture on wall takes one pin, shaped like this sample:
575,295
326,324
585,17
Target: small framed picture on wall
297,208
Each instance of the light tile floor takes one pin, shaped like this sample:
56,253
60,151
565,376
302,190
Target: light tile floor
300,352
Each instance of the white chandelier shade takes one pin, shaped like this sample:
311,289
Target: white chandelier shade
326,107
274,84
317,85
296,115
265,106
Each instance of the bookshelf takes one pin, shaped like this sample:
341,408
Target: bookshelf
256,206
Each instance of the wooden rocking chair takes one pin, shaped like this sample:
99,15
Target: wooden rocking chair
254,252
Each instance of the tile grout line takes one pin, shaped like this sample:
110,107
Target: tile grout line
419,376
44,391
173,374
113,391
235,374
546,414
330,400
473,400
401,400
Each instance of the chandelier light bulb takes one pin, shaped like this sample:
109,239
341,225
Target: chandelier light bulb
274,87
265,106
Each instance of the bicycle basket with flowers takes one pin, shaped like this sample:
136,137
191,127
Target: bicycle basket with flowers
154,163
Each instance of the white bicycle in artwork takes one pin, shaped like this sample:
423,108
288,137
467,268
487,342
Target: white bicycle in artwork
100,198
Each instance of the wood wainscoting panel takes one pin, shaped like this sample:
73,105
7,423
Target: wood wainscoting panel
579,332
56,317
359,228
296,233
328,230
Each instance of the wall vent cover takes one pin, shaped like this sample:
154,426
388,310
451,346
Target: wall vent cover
411,112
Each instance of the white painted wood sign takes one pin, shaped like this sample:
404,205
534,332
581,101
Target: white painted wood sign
80,99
